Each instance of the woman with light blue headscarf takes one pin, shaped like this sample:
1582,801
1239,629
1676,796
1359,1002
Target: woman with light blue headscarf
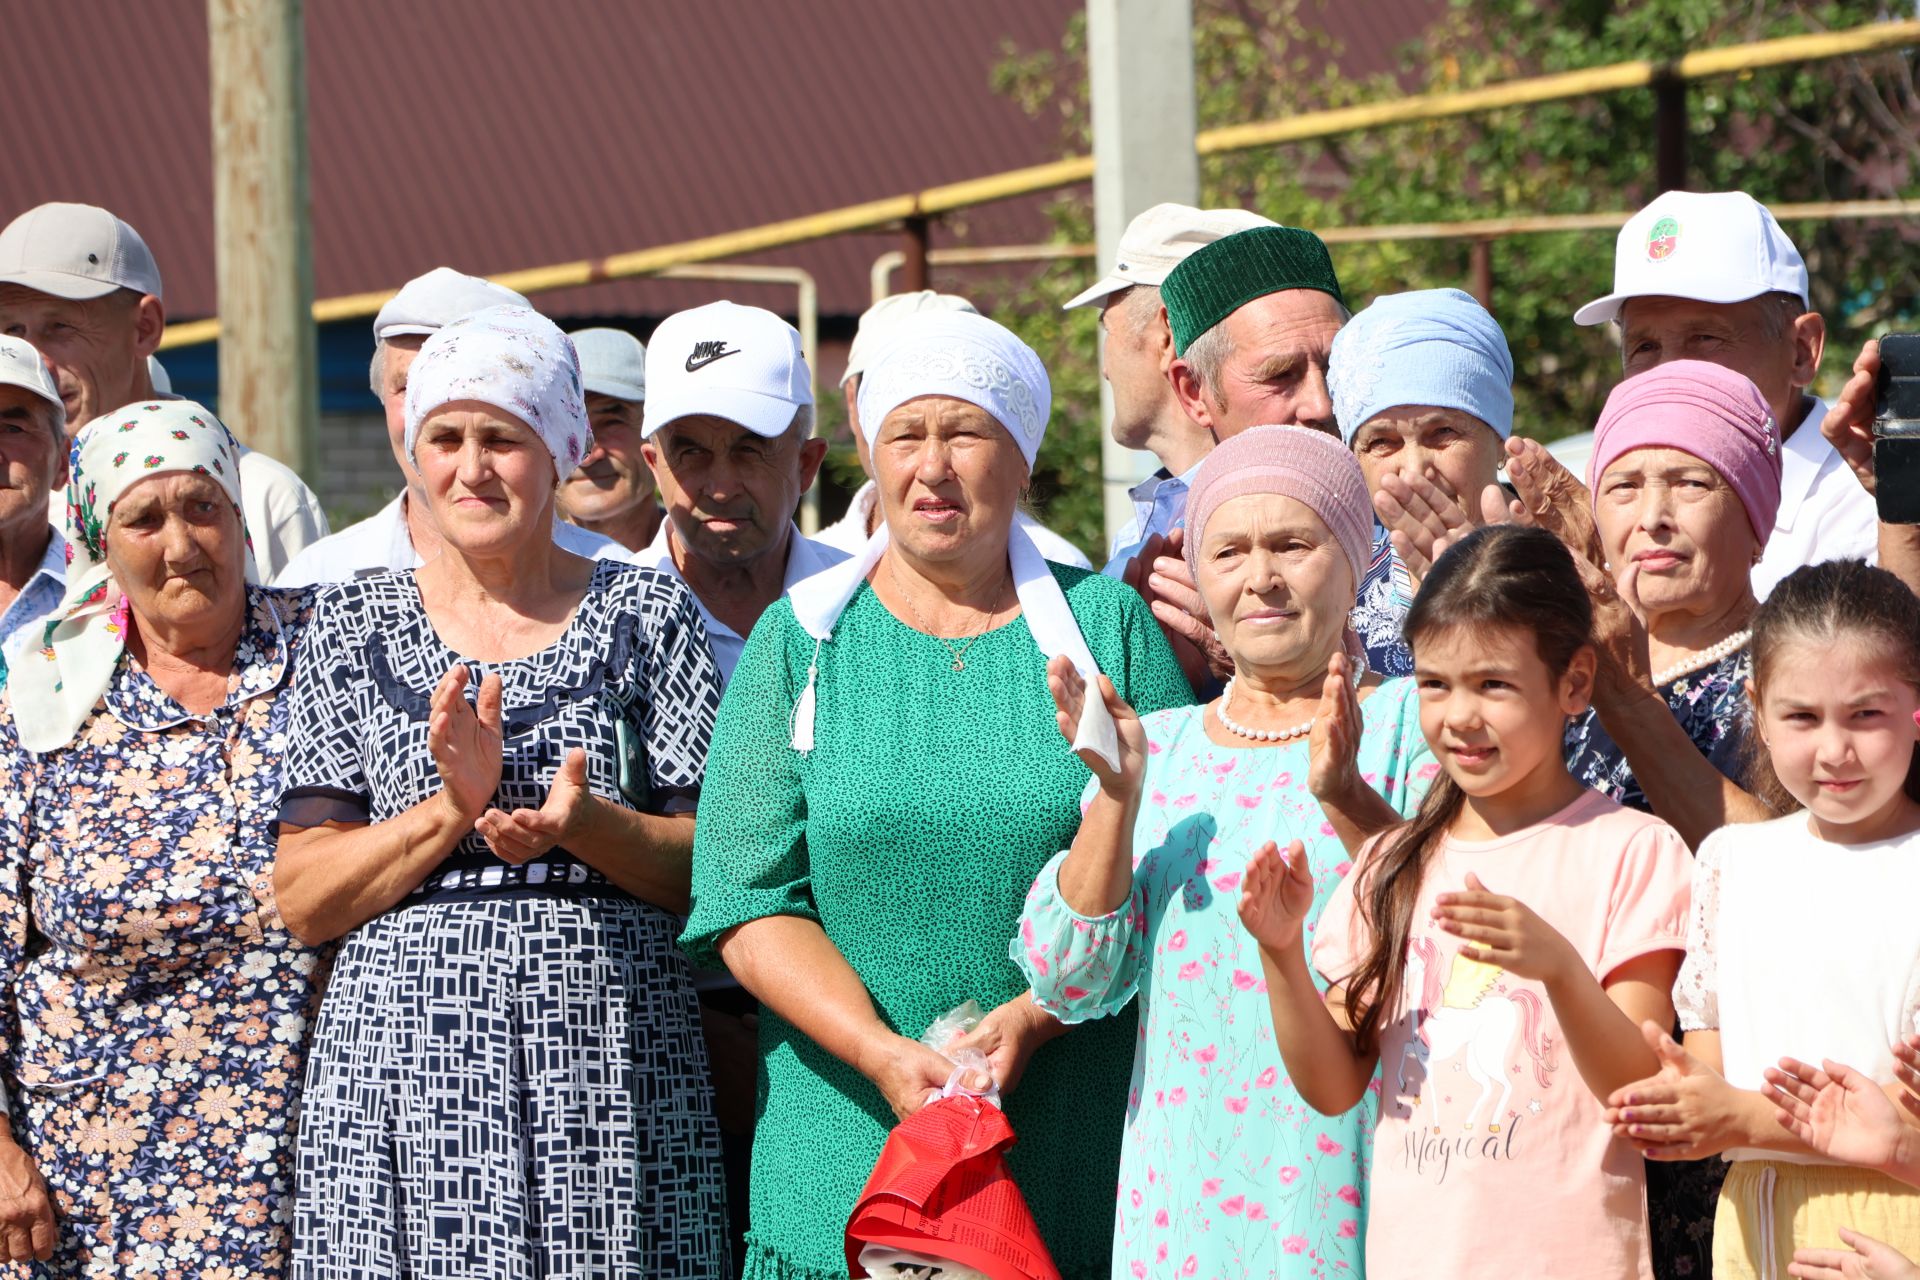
1422,387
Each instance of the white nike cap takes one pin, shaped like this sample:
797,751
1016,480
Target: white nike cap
612,363
1710,246
743,364
1159,240
21,366
429,303
75,251
877,321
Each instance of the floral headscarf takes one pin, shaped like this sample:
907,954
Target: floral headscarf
514,359
54,690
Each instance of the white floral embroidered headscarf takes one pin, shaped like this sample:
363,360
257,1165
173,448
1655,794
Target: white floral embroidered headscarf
966,356
55,689
514,359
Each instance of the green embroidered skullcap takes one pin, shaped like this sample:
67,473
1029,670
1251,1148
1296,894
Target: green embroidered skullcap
1219,279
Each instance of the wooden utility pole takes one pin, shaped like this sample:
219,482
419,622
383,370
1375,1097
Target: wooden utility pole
263,235
1140,82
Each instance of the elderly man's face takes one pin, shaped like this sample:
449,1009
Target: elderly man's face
177,548
731,494
1275,373
396,358
613,478
1780,354
97,348
1134,361
33,458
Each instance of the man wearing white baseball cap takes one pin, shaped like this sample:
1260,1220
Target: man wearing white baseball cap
1711,276
850,532
1137,354
33,467
83,288
728,432
611,492
402,535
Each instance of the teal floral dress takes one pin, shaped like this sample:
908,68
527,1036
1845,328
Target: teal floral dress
1225,1172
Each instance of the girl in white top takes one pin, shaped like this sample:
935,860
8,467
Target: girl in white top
1805,937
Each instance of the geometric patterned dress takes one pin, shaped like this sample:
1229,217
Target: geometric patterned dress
154,1010
508,1078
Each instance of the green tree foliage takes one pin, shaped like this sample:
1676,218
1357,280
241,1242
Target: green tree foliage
1842,130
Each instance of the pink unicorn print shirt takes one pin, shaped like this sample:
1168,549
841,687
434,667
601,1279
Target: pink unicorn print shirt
1490,1156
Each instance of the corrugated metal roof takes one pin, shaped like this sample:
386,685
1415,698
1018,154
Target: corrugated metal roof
495,134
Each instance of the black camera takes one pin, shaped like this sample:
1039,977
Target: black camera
1896,429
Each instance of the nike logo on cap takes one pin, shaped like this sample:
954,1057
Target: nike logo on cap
705,353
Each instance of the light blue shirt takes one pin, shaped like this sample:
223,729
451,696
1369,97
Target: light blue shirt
40,597
1159,506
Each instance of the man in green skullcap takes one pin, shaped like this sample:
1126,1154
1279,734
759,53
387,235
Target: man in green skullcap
1253,317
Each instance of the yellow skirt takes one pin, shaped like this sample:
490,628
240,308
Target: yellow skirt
1769,1208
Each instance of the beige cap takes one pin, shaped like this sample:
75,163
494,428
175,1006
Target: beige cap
21,366
429,303
75,251
1159,240
877,320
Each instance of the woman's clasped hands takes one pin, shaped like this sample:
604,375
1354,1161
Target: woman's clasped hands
466,740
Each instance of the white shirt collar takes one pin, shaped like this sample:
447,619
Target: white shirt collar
805,557
1803,456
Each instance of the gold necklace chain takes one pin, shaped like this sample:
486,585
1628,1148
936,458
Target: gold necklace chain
959,654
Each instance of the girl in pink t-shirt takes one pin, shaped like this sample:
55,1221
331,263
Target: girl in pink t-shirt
1494,957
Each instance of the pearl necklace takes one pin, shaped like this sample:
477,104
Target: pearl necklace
1705,658
1266,735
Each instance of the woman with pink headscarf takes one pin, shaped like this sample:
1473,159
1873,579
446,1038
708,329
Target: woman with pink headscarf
1685,477
1225,1170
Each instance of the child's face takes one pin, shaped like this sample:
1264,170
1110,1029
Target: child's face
1838,722
1492,712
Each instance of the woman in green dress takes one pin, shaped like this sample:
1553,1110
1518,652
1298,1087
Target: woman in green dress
885,781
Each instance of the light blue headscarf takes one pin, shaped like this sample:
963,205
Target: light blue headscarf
1432,346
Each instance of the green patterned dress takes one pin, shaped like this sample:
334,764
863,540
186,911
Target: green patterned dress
911,834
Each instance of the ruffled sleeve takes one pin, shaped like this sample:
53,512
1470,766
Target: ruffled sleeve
1696,992
750,856
1080,967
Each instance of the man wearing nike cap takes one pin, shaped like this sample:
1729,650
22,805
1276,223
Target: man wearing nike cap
402,535
611,491
33,466
1137,355
83,288
728,433
850,533
1711,276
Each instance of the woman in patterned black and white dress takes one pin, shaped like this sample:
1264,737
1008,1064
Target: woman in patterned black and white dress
508,1077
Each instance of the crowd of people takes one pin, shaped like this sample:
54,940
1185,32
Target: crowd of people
1406,858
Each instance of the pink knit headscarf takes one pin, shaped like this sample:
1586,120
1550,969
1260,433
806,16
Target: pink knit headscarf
1292,462
1706,410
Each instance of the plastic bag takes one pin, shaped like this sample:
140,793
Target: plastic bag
940,1204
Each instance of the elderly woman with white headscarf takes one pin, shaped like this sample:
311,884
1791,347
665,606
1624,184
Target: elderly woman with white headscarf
154,1008
508,1077
887,777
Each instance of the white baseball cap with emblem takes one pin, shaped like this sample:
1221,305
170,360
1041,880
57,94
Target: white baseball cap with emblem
76,251
21,366
743,364
1159,240
878,320
429,303
612,363
1710,246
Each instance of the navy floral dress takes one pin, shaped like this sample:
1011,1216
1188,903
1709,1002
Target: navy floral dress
1711,705
154,1010
1380,610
